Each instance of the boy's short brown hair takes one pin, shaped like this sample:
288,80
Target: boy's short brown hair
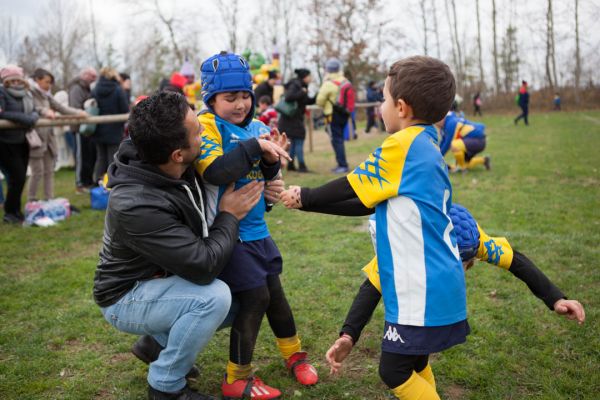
424,83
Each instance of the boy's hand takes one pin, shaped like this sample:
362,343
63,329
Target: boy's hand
338,352
273,189
241,201
271,151
291,197
572,309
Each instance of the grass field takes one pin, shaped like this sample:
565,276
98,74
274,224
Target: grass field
543,193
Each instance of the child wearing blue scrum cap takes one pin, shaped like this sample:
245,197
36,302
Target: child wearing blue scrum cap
234,152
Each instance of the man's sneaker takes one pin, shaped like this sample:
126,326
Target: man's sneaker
340,170
304,372
14,219
252,387
147,349
186,393
487,162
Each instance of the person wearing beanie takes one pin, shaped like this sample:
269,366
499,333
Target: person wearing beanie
328,96
16,105
191,87
293,125
266,88
234,152
176,83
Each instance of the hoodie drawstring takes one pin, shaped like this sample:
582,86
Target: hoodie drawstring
201,209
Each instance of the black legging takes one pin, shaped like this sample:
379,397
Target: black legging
395,369
13,161
254,303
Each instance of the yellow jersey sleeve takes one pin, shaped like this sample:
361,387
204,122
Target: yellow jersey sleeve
371,270
212,143
494,250
379,177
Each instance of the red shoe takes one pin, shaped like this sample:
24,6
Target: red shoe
250,388
305,373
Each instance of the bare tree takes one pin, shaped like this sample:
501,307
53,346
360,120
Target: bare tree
98,62
424,19
495,48
456,48
9,38
435,28
61,39
169,23
510,58
230,13
577,72
550,48
480,61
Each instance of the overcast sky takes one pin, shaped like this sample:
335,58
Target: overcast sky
114,16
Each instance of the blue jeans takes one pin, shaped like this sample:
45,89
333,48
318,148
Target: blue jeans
297,149
337,142
180,315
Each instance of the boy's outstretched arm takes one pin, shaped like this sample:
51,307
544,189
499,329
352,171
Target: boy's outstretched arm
358,316
539,284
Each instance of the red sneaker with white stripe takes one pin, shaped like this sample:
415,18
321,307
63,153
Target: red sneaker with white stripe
305,373
250,388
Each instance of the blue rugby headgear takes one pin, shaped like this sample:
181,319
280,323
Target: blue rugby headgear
226,72
467,234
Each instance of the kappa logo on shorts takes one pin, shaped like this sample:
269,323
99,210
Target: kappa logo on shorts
393,335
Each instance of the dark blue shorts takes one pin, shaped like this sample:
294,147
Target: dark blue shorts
420,340
251,263
473,146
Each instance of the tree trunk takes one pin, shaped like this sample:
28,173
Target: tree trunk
454,58
435,28
495,52
481,78
549,74
424,18
577,54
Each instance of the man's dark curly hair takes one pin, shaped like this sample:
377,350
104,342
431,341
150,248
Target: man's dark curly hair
156,126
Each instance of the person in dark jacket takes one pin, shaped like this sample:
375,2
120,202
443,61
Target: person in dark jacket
85,150
293,126
523,103
16,105
159,261
266,88
111,100
374,95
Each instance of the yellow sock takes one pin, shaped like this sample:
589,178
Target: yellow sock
427,374
235,371
289,346
459,156
475,161
415,388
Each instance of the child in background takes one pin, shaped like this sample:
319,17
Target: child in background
466,139
406,181
268,115
234,152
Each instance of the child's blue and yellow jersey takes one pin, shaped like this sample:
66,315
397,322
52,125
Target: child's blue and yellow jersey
220,137
406,180
456,127
492,250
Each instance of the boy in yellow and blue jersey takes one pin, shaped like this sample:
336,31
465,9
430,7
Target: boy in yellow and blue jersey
465,138
473,243
234,152
406,181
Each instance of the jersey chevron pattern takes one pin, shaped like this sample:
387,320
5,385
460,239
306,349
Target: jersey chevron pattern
220,137
406,180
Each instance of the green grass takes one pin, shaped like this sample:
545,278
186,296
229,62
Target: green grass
543,193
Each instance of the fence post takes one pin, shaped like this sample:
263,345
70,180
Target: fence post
311,128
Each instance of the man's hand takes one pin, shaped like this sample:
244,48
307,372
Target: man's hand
291,197
273,189
240,201
271,151
572,309
48,113
338,352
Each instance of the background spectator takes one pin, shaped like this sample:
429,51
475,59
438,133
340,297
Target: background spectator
111,100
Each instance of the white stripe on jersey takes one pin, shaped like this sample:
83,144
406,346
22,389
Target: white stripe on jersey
408,253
